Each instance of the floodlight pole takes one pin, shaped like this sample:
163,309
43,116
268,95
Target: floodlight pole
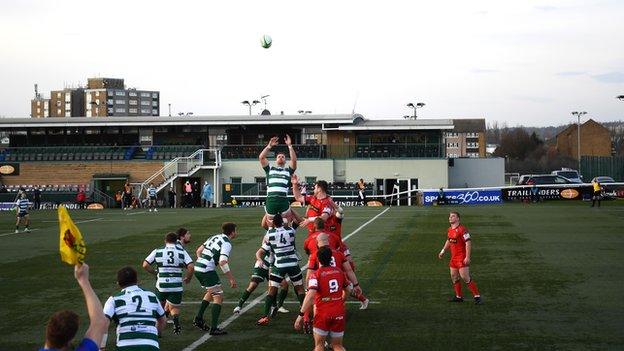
415,107
578,136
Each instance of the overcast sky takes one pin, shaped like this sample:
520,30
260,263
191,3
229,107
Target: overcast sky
521,62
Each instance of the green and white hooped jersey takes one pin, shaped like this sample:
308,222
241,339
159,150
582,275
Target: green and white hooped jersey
267,261
278,181
281,243
135,311
215,247
171,262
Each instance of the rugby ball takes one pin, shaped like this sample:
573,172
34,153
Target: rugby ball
266,41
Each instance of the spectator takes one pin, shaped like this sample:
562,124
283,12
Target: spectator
171,194
441,197
81,198
118,199
63,325
127,196
361,188
37,198
207,195
188,194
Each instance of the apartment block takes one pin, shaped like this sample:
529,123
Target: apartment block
102,97
467,139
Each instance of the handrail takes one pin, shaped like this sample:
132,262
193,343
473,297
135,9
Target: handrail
180,165
98,195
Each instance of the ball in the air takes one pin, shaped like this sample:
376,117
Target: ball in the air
266,41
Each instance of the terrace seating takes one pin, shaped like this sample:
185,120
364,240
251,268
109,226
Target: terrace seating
65,153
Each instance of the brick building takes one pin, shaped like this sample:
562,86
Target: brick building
101,97
467,139
595,140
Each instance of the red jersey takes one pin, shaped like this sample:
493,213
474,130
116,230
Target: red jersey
458,237
334,225
328,283
310,244
316,207
337,261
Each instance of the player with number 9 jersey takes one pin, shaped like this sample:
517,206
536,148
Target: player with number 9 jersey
329,283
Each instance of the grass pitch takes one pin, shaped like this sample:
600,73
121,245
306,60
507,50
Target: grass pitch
550,275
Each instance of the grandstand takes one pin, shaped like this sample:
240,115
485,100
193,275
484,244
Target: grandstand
105,152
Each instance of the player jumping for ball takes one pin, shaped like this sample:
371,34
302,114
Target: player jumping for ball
278,179
458,240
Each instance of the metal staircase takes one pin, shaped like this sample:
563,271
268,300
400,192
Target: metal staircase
183,167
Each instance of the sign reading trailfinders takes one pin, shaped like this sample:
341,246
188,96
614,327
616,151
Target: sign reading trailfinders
549,193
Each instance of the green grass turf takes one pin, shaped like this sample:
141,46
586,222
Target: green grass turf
550,274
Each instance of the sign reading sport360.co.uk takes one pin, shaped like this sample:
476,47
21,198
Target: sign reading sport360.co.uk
465,197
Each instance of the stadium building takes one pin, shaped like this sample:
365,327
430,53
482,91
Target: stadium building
100,154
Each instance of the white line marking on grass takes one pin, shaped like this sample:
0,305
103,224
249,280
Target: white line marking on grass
258,299
135,213
35,229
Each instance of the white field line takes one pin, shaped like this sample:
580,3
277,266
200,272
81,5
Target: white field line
32,230
135,213
260,298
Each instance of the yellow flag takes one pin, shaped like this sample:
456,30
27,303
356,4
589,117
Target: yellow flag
71,243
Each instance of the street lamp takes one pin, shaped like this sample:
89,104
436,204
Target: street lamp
250,104
415,107
578,136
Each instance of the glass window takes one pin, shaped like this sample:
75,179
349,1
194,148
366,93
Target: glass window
155,95
145,103
154,103
237,180
155,112
120,110
132,93
120,102
120,93
145,94
133,110
132,102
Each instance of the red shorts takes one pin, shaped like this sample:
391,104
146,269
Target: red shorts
457,262
332,324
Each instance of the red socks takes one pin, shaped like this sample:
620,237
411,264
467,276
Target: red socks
458,289
473,288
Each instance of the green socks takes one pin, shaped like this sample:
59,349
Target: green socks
243,298
281,297
268,302
202,309
216,311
